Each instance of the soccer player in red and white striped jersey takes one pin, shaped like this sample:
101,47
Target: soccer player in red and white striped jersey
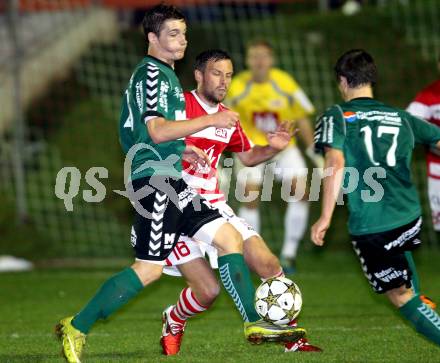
426,105
213,73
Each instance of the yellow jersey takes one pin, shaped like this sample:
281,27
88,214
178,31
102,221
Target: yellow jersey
262,106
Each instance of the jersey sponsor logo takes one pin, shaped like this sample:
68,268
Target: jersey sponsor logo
163,98
405,236
139,94
390,274
221,133
350,116
169,240
389,118
211,134
186,196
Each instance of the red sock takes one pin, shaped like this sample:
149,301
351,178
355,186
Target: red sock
186,306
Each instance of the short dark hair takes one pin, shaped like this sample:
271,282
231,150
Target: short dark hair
259,42
156,16
211,54
358,67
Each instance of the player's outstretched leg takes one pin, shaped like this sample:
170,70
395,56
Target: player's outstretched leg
113,294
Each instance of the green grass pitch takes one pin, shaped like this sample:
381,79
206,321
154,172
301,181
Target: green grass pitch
341,314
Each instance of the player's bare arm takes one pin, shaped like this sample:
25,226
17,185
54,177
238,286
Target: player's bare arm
162,130
334,161
277,140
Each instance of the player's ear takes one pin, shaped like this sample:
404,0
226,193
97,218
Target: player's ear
343,82
152,38
198,76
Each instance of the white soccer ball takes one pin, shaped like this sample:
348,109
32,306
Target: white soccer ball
278,300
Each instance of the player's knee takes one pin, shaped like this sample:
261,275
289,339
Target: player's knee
147,272
400,295
228,240
209,294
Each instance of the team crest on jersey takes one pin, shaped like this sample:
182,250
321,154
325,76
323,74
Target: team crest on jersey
350,116
221,133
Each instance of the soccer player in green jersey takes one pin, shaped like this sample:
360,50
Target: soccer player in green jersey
376,141
152,125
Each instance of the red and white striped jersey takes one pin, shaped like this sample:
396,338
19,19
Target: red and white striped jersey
427,106
212,141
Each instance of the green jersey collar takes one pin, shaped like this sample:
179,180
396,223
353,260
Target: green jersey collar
160,61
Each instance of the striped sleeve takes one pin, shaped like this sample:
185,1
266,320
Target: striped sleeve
330,130
154,90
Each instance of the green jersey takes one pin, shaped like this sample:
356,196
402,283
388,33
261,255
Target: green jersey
153,91
377,141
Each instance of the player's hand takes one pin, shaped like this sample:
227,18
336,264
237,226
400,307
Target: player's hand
280,138
289,126
318,231
195,157
224,119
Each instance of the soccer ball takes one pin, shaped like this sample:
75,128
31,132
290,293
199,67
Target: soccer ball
278,300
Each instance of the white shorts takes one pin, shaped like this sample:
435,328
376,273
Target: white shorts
188,249
288,164
434,201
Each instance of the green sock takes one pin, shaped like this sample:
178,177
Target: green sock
425,320
414,278
237,281
113,294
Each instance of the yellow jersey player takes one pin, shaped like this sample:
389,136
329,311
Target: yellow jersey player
266,96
